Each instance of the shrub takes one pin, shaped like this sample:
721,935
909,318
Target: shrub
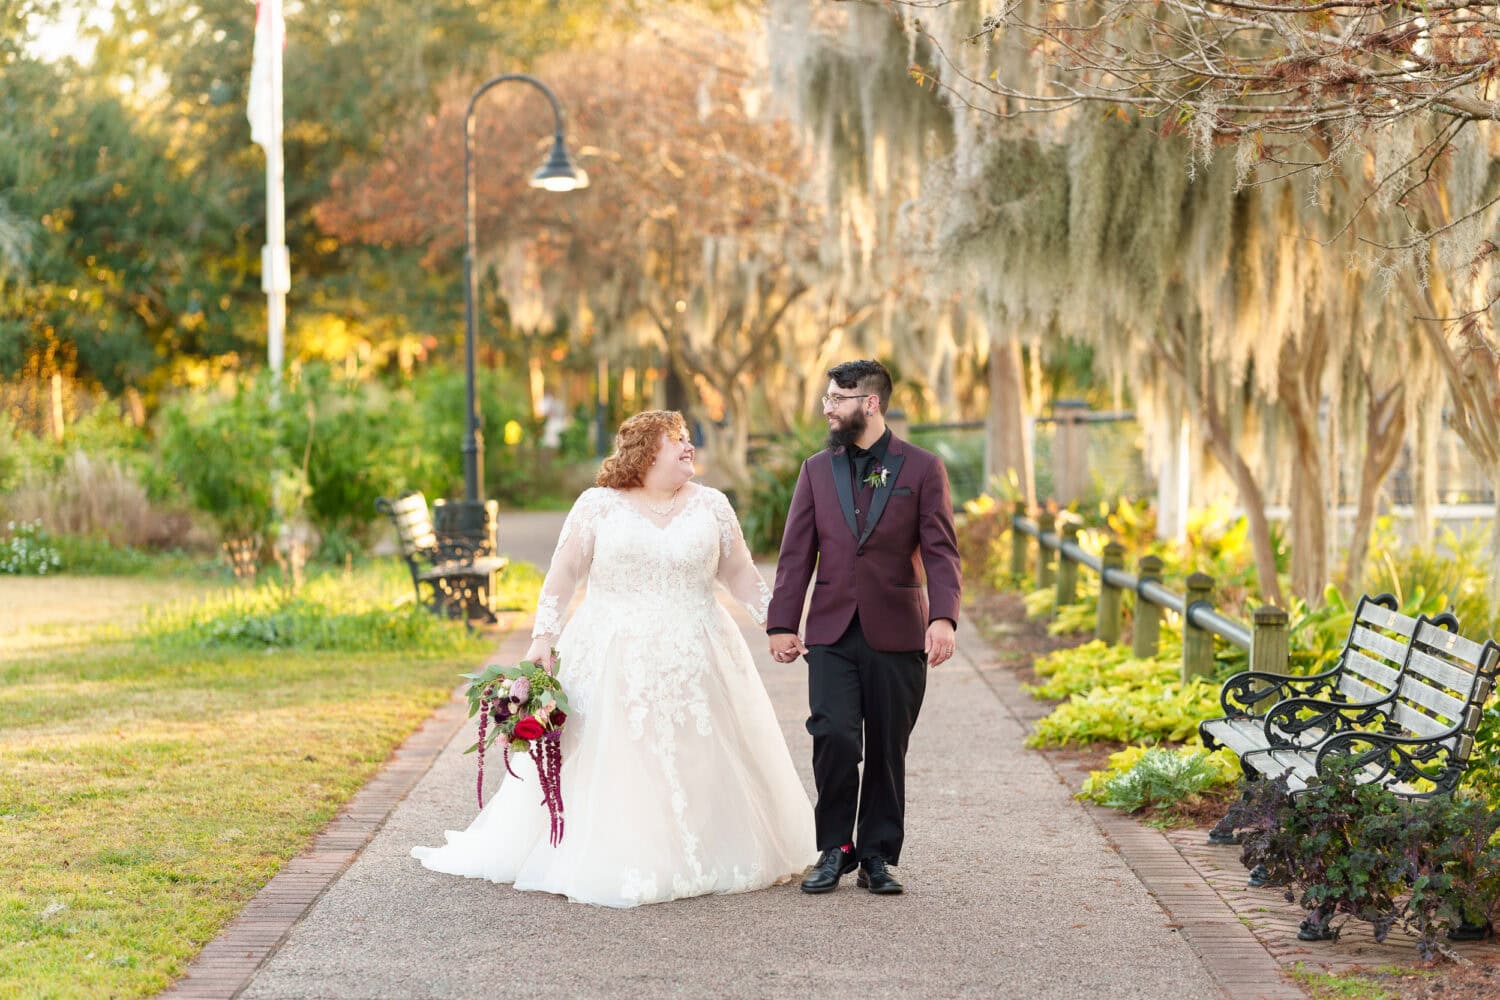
1138,777
223,448
91,495
773,479
1341,847
332,612
1129,714
28,551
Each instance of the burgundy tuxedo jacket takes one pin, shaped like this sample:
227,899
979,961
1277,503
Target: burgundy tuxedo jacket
908,540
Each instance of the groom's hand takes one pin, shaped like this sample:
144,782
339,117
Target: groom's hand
940,642
786,647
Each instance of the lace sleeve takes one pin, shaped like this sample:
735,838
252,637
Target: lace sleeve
570,564
737,570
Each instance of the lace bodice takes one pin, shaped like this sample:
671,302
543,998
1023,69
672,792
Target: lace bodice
647,572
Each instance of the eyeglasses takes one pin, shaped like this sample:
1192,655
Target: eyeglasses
834,399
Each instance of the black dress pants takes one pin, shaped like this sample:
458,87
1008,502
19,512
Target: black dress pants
863,703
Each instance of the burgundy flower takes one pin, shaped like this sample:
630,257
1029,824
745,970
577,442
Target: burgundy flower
558,717
529,728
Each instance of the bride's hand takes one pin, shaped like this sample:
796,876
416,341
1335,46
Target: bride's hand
540,652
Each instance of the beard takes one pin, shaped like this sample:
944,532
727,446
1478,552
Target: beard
848,430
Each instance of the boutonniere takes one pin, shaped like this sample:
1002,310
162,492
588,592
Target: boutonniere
877,477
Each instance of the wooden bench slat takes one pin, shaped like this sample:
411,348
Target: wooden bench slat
1418,723
1447,674
1361,666
1382,617
1451,643
1391,650
1447,708
1357,690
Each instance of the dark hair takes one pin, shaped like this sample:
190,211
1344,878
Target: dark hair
866,376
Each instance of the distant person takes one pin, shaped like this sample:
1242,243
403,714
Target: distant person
554,421
676,779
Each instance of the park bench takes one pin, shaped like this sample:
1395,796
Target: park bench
1367,672
1414,741
452,574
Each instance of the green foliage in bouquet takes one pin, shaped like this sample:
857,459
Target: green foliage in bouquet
541,695
1137,777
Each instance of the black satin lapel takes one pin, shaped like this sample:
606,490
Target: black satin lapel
840,466
891,465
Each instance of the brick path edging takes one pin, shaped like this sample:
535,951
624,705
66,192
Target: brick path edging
1229,949
226,964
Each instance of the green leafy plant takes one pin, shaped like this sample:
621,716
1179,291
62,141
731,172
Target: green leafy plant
773,478
1129,714
28,550
1138,777
1342,847
332,613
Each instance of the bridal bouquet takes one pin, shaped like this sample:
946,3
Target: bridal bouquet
525,705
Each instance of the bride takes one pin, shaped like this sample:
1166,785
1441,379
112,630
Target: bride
675,777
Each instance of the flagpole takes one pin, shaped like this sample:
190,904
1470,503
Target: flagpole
276,278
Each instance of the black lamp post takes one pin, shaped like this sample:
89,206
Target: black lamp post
557,174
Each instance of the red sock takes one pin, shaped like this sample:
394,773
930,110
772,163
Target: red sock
847,848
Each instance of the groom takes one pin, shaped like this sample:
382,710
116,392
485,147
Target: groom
871,515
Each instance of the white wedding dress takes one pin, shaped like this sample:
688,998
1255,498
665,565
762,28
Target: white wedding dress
675,780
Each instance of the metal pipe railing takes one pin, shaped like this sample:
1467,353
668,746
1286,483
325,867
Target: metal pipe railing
1201,621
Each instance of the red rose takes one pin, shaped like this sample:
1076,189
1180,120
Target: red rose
528,728
558,717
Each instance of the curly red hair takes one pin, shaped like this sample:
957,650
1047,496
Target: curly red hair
636,444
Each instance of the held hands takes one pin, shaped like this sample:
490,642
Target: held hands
540,651
786,647
940,642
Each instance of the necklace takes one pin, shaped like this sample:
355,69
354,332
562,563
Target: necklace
661,511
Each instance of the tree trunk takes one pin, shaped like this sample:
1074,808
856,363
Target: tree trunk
1385,429
1301,392
1252,498
1007,453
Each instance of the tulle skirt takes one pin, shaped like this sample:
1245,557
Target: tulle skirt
676,780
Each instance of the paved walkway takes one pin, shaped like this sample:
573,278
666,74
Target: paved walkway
1012,891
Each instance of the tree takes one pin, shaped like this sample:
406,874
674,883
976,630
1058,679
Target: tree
695,231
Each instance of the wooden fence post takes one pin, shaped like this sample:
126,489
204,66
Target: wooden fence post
1147,615
1107,627
1046,522
1067,569
1197,643
1268,640
1017,545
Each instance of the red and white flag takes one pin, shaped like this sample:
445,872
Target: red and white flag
265,69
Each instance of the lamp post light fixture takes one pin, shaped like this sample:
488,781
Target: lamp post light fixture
557,174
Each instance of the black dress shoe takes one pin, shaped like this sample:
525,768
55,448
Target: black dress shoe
875,876
832,865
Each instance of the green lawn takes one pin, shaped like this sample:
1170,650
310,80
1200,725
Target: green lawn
151,783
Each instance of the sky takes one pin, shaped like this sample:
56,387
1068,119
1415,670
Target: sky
59,38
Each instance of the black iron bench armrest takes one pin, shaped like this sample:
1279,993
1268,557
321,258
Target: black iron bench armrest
1287,728
1394,757
1242,692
